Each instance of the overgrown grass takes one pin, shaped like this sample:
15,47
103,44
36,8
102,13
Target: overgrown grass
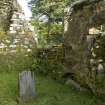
48,92
15,61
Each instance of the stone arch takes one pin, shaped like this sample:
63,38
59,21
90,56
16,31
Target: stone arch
84,15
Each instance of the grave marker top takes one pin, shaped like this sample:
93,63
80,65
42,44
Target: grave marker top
27,85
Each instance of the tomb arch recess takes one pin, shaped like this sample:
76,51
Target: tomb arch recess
83,15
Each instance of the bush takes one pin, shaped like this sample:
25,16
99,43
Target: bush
52,68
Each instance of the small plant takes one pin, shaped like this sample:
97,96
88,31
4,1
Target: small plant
52,68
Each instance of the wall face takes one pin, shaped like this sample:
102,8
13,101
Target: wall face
76,54
6,10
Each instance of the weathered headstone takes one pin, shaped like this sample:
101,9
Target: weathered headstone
27,85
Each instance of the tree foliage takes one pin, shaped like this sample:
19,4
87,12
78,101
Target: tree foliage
49,19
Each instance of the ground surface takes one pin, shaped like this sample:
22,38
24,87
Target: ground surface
48,92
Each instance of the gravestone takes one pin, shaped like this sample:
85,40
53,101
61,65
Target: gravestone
27,85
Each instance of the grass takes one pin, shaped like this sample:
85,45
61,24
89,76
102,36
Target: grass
48,92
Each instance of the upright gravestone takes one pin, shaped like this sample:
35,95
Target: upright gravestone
27,85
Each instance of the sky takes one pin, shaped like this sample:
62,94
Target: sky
27,11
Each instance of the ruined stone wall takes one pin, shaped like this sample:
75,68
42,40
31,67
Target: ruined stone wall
6,10
84,14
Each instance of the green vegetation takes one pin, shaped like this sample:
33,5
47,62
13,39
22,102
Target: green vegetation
48,92
49,67
53,58
48,19
17,62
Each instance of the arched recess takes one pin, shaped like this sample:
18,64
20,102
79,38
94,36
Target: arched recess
84,15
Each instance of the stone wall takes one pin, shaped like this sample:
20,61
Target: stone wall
6,10
83,15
